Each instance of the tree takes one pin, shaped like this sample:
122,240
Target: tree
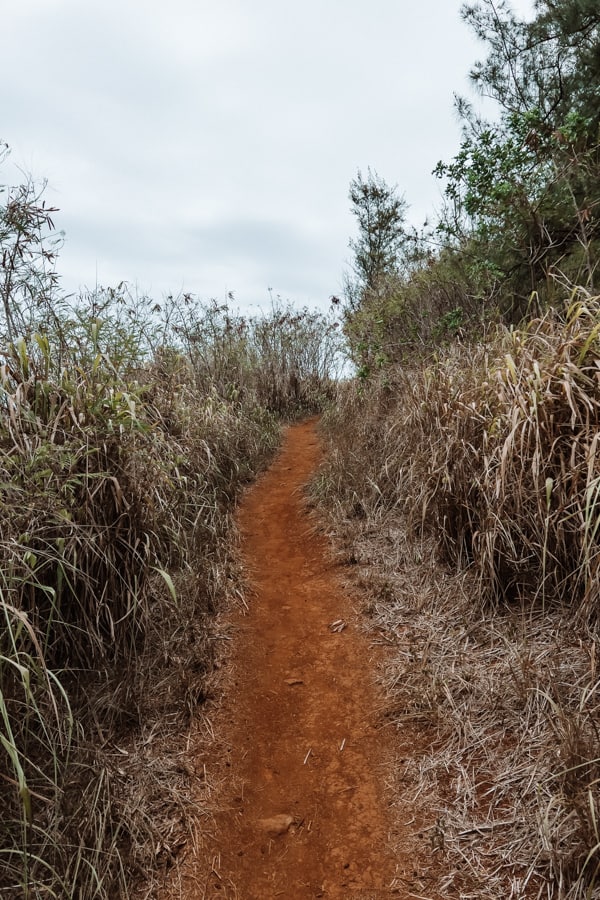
524,191
384,251
551,63
28,251
380,214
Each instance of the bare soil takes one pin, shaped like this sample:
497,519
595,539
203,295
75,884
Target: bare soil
303,755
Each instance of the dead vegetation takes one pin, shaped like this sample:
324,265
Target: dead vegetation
127,430
116,552
466,493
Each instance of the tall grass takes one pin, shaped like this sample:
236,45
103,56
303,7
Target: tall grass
469,491
105,500
128,429
286,359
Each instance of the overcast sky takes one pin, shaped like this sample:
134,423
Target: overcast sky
209,146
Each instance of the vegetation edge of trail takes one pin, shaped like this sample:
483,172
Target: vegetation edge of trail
127,430
467,492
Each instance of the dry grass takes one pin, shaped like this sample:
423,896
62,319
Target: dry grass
466,493
120,466
127,430
116,550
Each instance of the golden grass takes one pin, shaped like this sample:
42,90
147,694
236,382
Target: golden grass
116,549
121,459
466,491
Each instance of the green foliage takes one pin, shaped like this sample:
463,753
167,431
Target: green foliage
411,315
549,63
378,315
522,202
529,185
522,195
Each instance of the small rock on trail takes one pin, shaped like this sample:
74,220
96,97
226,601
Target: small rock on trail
277,825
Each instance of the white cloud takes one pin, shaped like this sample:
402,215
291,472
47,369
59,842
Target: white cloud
210,145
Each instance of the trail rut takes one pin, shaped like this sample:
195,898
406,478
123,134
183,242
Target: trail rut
302,812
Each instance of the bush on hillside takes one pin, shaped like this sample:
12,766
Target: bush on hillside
495,447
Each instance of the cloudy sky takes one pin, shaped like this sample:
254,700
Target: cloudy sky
209,146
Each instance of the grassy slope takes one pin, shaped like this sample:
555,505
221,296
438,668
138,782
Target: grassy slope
119,473
467,492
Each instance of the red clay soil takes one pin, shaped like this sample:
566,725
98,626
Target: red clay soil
302,811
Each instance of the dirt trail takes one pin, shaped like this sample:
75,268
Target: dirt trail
300,726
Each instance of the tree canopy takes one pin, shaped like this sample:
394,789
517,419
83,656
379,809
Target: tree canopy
521,196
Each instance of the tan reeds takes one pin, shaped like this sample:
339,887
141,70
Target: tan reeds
119,470
468,493
127,430
98,493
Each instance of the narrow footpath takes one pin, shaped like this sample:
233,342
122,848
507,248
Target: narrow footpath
302,812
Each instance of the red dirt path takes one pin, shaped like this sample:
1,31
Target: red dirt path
300,725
